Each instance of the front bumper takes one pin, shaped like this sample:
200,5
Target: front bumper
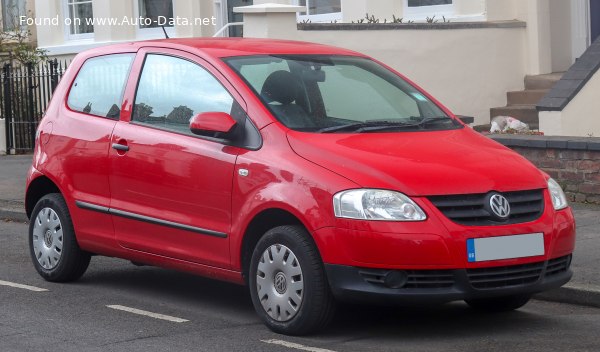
439,286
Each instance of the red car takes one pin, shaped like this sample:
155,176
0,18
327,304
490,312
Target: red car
308,172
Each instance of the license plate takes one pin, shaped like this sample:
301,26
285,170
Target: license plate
505,247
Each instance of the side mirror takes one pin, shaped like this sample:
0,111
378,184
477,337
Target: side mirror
209,123
466,119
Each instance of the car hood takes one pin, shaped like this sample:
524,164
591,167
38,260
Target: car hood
420,163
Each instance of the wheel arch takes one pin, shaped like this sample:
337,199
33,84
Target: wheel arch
261,223
39,187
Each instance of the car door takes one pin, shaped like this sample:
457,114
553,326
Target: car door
81,143
172,189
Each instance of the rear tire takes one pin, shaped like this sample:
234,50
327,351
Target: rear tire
288,285
52,244
500,304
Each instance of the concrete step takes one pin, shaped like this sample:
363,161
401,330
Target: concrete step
524,113
525,97
542,81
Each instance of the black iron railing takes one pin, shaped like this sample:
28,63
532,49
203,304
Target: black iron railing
25,91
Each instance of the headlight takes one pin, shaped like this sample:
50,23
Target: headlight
375,204
559,200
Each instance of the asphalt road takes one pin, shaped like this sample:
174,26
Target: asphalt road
220,317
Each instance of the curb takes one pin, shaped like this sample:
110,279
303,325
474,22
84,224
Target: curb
12,215
573,294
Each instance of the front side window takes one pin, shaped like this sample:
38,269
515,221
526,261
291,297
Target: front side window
12,10
98,88
156,13
80,16
324,94
172,90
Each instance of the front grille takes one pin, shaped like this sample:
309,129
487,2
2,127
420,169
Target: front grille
414,278
473,210
505,276
558,265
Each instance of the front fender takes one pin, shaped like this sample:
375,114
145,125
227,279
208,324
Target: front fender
283,181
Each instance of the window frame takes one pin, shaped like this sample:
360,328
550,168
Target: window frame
67,29
422,12
123,92
153,33
323,18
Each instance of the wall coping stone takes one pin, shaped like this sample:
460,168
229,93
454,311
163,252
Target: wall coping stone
409,26
544,142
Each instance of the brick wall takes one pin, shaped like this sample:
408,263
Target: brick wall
573,162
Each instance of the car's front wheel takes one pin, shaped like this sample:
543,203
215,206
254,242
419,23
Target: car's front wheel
499,304
52,243
288,285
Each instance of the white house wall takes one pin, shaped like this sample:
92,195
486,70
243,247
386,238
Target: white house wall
560,34
581,117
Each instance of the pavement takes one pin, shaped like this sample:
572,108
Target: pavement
583,289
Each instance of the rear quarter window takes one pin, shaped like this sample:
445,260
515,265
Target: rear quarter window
98,87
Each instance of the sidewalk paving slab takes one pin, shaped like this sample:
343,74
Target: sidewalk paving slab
13,173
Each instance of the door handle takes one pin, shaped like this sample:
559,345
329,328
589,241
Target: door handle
120,147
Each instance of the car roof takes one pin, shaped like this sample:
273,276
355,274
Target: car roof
227,47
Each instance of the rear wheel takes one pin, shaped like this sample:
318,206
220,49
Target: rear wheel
499,304
52,243
288,285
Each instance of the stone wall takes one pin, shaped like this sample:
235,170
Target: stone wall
573,162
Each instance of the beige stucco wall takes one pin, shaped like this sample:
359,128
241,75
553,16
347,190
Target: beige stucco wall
49,35
560,35
581,117
353,10
468,70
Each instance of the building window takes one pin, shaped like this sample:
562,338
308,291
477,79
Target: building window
419,10
320,10
418,3
80,16
156,13
11,12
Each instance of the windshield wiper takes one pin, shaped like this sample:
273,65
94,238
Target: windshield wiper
428,120
378,125
365,126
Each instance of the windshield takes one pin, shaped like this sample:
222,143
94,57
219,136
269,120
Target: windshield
345,94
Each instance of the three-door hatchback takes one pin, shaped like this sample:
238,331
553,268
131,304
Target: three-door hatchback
310,173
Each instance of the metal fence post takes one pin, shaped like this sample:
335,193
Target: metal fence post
31,119
53,74
7,106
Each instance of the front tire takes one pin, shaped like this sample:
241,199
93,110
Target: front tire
288,284
52,244
499,304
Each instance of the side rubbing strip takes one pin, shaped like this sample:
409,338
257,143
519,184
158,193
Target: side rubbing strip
148,219
94,207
